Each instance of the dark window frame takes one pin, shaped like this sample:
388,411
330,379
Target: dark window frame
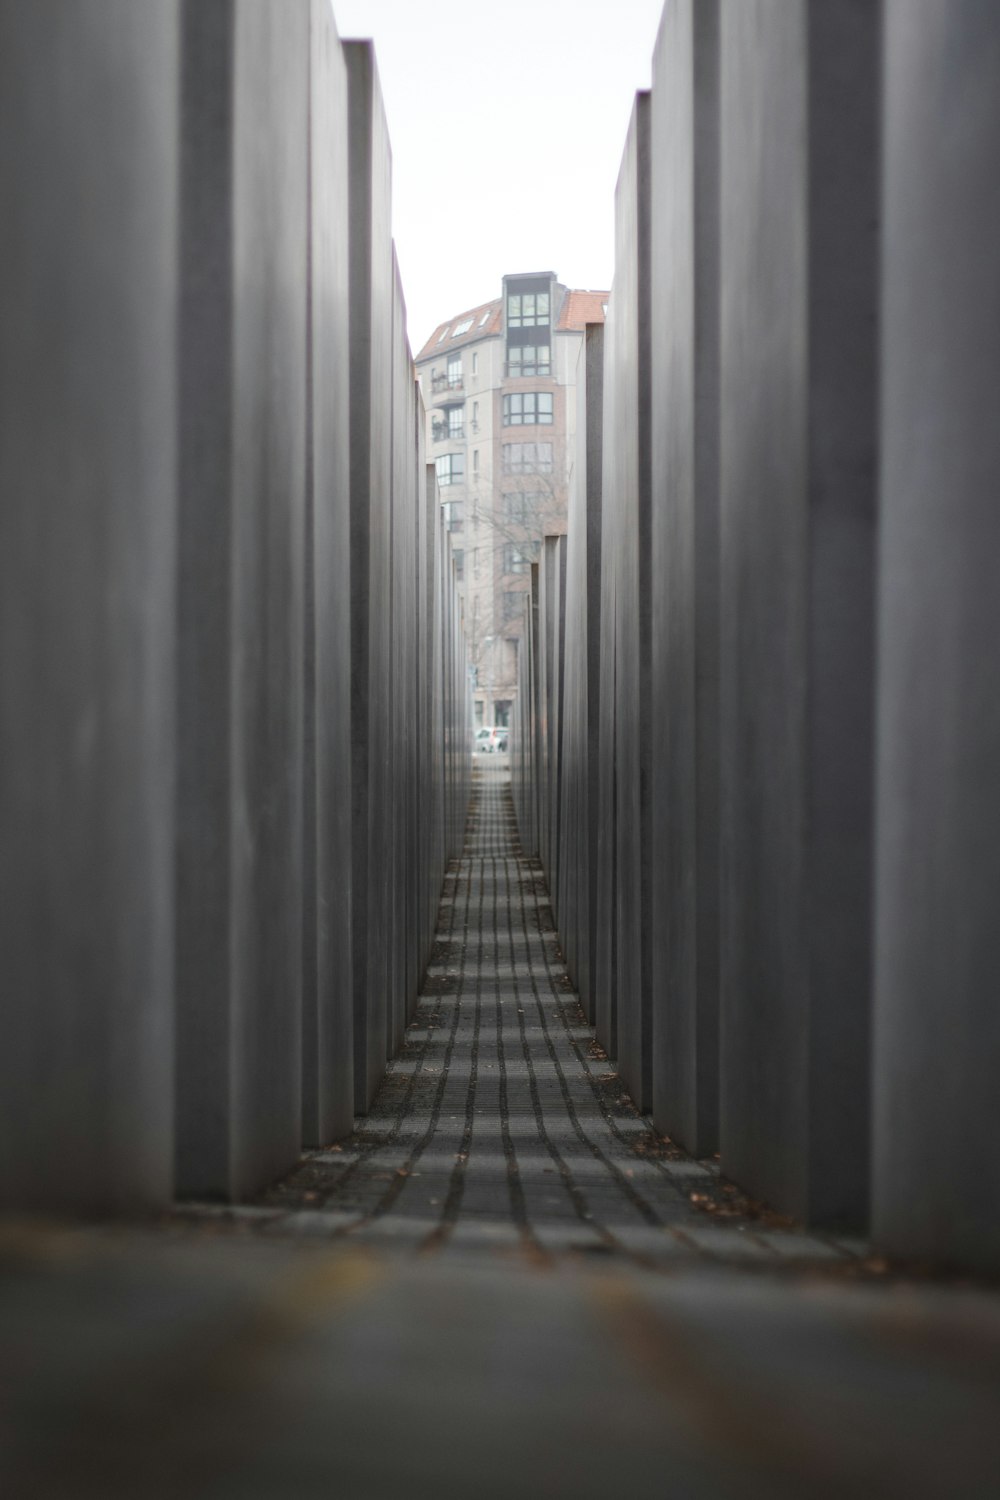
525,409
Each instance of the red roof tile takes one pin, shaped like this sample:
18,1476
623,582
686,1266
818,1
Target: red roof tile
581,308
578,309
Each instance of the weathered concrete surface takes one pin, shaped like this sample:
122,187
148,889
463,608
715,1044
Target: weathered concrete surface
328,1020
799,236
627,495
403,981
579,788
552,622
88,181
522,740
605,982
313,1371
685,568
240,595
371,374
937,1025
558,738
594,397
526,736
433,801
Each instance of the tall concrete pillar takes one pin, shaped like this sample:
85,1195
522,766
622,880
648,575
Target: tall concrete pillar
559,717
242,426
402,707
418,856
371,376
627,495
799,199
433,802
685,544
551,656
547,614
536,680
604,918
328,1019
936,1188
578,789
88,278
592,467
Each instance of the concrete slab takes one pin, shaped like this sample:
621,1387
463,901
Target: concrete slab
371,381
241,595
89,124
936,1190
685,565
627,498
328,1019
799,319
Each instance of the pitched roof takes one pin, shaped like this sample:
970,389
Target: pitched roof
578,309
581,308
478,323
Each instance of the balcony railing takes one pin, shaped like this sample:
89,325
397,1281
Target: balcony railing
441,432
441,383
531,372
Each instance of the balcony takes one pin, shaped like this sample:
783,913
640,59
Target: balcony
443,432
443,383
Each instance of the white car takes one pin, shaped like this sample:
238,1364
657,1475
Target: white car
490,738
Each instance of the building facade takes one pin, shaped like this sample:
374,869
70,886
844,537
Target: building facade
497,382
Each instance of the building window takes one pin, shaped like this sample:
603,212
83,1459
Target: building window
527,458
459,558
475,460
461,328
513,603
516,507
451,468
452,511
527,409
475,416
454,371
522,507
475,364
528,310
515,561
456,422
528,359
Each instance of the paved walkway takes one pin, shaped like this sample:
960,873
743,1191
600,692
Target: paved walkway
502,1124
534,1345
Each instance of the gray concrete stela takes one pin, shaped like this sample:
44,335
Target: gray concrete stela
501,1284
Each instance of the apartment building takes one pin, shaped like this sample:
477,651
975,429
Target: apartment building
497,382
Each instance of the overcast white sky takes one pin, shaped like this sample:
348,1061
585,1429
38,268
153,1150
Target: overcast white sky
507,119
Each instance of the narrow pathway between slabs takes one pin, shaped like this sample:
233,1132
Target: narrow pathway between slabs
501,1122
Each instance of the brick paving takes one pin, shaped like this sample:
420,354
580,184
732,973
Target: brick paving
501,1123
532,1345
